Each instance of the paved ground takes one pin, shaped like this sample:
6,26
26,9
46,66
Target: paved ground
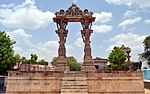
147,91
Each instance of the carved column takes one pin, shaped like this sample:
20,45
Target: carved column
62,34
88,64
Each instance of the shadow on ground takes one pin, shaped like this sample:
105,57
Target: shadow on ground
147,85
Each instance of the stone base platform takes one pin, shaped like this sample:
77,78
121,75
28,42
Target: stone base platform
70,82
115,83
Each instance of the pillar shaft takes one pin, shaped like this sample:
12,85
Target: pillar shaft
88,64
62,34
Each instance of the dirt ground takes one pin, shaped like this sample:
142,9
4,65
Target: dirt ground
147,91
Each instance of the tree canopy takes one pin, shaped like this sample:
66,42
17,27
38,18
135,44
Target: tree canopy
33,60
17,60
6,53
117,59
42,62
97,58
54,61
7,58
71,61
146,53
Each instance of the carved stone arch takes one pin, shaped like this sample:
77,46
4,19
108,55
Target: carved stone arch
74,14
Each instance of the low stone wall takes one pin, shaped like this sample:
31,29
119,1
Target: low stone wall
34,83
97,83
115,83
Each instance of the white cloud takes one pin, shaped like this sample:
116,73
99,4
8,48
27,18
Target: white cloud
119,2
101,28
78,42
134,41
127,22
18,50
75,1
140,3
24,46
26,16
129,14
29,2
143,3
20,36
103,17
7,6
147,21
47,50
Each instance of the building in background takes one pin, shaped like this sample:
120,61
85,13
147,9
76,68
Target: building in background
100,64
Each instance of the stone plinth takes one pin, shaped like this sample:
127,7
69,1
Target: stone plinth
62,65
75,82
34,83
115,83
88,66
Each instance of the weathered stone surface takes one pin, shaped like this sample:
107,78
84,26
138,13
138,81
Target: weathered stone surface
38,83
75,83
74,14
115,83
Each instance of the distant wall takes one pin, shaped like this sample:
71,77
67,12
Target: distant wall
115,83
146,74
34,83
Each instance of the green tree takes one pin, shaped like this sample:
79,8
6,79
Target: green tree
33,59
97,58
71,61
54,61
146,54
17,60
6,53
117,59
42,62
23,60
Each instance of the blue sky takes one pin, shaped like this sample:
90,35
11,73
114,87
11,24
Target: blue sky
30,24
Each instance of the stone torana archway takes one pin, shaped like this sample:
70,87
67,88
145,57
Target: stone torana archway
74,14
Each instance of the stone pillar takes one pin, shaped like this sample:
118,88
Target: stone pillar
62,34
88,64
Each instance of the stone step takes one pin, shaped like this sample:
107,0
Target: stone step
75,72
74,87
74,78
74,90
75,75
74,83
74,93
71,83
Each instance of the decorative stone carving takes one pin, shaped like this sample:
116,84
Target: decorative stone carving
61,23
74,14
62,37
86,33
73,11
86,23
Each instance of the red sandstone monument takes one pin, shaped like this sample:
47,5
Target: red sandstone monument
74,14
63,81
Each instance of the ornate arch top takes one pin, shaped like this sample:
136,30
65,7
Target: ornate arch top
73,14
